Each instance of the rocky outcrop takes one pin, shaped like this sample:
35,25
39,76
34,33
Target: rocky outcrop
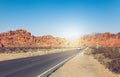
104,39
22,38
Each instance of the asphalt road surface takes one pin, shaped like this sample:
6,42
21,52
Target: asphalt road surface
38,66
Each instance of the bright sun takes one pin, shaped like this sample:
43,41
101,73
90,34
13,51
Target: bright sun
71,33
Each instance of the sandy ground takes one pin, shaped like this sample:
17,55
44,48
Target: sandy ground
83,66
10,56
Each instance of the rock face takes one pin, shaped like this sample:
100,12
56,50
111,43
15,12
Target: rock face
104,39
22,38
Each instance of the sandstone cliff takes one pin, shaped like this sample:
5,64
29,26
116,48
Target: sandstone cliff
104,39
22,38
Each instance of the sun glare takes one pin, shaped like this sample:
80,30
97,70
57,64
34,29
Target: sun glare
71,33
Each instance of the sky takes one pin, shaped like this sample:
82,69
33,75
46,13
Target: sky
61,18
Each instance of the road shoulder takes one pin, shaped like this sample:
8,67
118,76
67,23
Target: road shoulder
83,66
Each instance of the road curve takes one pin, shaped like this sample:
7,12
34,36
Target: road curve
34,66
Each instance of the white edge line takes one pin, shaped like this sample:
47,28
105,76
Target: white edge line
54,66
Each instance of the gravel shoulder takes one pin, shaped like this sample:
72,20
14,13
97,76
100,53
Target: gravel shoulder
83,66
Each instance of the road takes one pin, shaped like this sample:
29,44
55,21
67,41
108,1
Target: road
37,66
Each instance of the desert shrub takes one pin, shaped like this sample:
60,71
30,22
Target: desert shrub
88,51
26,49
108,56
112,53
114,66
99,57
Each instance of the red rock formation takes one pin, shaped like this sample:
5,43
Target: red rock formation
105,39
22,38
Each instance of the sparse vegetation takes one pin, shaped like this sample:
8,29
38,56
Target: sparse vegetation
27,49
108,56
20,52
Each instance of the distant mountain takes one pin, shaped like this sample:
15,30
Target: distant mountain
22,38
104,39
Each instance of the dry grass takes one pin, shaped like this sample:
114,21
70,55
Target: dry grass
14,53
108,56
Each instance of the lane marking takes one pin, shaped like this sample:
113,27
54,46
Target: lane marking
55,66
